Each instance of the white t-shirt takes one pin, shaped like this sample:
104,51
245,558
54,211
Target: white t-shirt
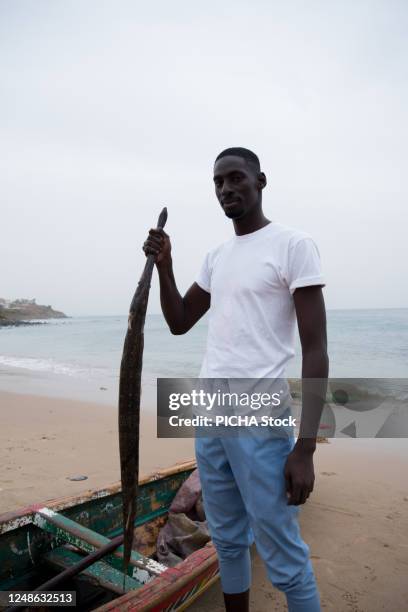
252,319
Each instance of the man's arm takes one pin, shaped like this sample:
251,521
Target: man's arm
311,317
181,313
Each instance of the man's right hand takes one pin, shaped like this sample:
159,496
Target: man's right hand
158,244
181,313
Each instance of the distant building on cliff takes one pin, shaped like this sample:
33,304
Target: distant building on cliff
22,303
23,309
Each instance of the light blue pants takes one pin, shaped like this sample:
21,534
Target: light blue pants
245,501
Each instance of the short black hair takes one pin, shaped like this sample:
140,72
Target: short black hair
249,156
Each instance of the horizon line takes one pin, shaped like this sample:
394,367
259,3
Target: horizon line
327,309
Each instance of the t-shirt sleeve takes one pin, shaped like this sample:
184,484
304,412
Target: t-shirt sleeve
304,267
203,279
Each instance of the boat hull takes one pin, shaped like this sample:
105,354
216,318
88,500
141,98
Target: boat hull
26,540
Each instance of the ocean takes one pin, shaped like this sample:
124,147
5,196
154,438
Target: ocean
79,357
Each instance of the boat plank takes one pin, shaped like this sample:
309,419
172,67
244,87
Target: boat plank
99,573
67,530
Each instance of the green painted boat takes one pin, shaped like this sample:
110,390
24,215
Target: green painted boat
41,540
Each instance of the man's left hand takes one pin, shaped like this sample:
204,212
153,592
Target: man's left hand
299,476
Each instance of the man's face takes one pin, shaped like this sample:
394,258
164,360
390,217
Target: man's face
237,186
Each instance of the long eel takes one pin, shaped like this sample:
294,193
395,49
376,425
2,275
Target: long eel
129,401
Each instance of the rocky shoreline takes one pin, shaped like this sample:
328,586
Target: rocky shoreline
11,323
25,312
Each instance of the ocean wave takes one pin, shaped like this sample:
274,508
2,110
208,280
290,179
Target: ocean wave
44,365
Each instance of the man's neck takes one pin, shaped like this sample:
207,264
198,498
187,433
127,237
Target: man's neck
249,224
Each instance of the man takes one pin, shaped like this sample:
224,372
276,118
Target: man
256,284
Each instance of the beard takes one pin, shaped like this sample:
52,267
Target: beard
234,213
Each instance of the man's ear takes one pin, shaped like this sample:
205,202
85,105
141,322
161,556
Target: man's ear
262,180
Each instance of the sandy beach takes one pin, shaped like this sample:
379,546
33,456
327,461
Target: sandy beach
356,522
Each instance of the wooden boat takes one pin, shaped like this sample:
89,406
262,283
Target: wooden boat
39,541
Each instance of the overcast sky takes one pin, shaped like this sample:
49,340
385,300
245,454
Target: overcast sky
111,109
